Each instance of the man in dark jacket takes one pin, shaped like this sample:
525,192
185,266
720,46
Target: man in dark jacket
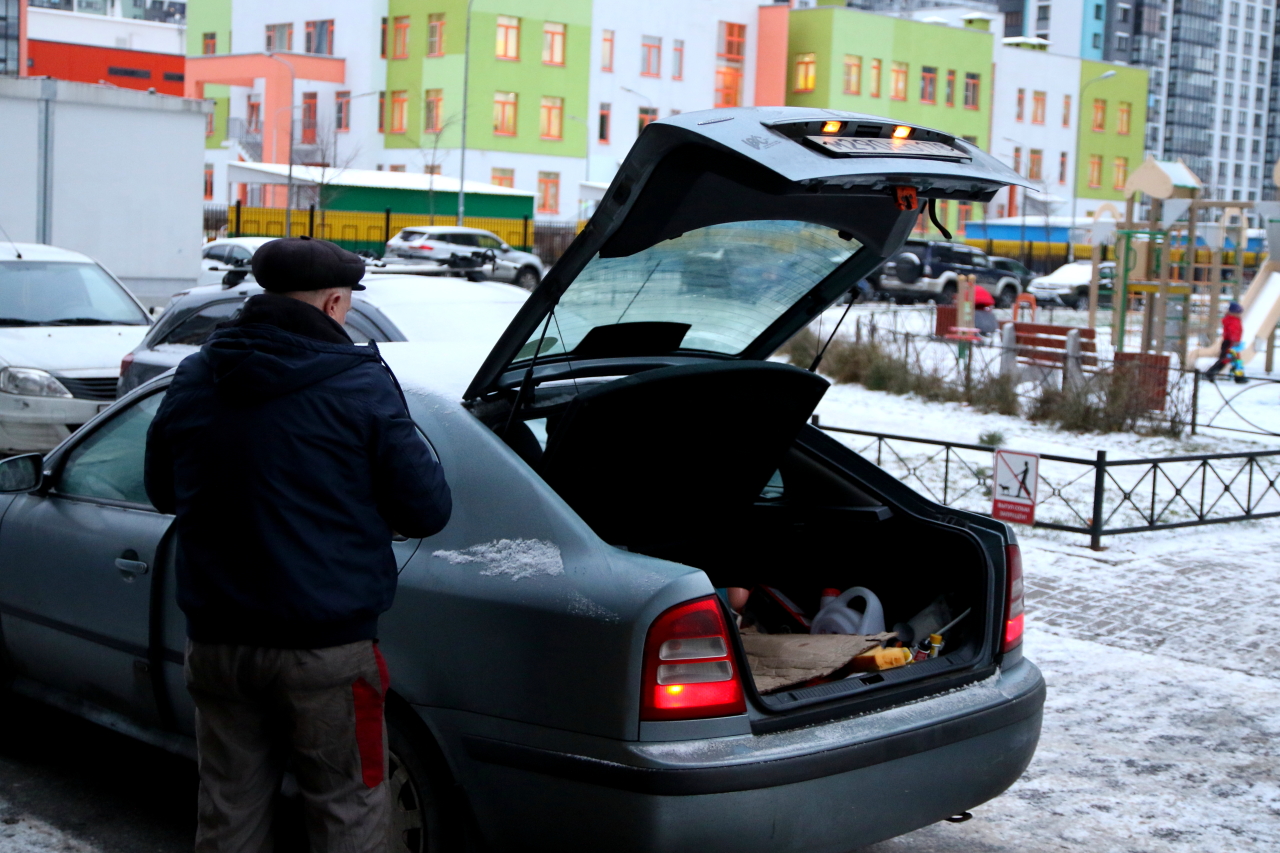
289,458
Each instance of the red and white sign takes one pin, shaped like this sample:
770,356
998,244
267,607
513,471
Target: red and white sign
1013,486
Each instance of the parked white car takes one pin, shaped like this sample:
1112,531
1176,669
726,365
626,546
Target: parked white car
1069,284
422,242
219,257
65,323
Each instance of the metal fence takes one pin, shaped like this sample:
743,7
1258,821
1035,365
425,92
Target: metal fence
1252,408
1096,497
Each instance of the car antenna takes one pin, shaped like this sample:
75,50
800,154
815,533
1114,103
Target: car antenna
16,251
817,359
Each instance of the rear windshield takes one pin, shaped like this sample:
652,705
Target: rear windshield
729,282
51,293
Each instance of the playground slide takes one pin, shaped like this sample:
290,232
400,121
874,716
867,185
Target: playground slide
1261,304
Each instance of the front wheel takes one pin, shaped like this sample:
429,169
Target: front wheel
1081,301
1008,295
527,278
948,294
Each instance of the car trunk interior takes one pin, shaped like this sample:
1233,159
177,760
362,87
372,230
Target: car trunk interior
709,465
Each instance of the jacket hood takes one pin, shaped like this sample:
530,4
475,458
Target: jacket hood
256,362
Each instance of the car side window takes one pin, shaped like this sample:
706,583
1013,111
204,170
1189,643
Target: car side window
360,329
485,242
194,330
109,463
980,260
216,253
237,254
461,239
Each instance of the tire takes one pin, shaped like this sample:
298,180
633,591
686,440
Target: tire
1081,302
1008,295
948,294
527,278
429,814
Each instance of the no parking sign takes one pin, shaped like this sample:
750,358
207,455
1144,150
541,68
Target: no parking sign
1013,486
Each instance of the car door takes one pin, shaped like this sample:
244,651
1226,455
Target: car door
77,563
502,270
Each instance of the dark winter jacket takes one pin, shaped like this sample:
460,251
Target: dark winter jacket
288,456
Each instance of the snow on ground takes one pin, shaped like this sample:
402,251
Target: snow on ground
21,833
1162,724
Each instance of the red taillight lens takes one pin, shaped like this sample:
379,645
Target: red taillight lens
125,363
422,246
1013,608
689,672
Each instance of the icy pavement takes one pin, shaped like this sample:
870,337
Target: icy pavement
1162,724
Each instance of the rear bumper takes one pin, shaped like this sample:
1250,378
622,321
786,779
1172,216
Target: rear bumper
830,787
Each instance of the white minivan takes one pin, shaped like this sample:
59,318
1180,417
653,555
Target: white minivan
65,323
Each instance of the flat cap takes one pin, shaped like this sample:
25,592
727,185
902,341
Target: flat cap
301,263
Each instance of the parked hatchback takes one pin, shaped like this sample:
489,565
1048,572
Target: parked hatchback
390,308
564,674
65,322
523,269
228,254
930,269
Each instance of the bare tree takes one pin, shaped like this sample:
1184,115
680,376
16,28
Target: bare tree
432,160
330,163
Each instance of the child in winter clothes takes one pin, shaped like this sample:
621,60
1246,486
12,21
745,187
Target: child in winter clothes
1232,344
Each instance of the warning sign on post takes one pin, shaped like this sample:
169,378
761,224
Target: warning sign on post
1013,486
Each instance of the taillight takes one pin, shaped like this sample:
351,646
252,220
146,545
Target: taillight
1013,599
423,246
126,363
689,672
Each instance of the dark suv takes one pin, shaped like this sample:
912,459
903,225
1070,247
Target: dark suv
928,269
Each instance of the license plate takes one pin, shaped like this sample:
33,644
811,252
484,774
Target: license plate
847,146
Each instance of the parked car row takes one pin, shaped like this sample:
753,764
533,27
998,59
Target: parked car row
564,673
930,269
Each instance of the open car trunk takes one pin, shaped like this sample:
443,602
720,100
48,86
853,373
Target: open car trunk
713,465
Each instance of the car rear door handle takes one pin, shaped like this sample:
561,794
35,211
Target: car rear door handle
130,567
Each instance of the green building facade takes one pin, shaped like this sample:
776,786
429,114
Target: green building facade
907,70
207,17
1112,119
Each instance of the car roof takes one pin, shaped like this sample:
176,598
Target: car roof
247,242
382,291
446,229
40,252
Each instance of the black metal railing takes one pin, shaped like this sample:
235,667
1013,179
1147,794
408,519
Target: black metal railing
1096,497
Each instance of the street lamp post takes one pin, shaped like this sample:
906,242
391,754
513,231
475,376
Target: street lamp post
466,72
1075,177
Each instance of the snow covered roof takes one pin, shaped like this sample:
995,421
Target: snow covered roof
277,173
1163,179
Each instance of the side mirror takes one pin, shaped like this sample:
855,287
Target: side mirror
506,248
21,473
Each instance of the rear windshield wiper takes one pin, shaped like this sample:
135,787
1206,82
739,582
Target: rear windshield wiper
85,321
15,321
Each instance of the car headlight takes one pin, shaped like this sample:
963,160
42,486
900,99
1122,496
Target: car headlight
31,382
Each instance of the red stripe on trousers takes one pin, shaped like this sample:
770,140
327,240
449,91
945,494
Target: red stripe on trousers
369,705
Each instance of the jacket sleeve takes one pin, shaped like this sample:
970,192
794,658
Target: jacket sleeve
158,465
409,483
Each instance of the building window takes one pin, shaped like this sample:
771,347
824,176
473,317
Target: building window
1122,41
431,169
928,85
551,118
382,112
342,111
677,59
319,38
951,88
382,45
806,72
1099,114
1124,12
253,114
647,116
553,44
604,126
898,81
1097,41
399,111
1095,171
508,46
280,37
731,46
1017,159
1123,117
1020,113
208,182
399,167
548,192
972,90
503,178
208,125
435,34
1042,17
1119,172
1066,111
400,38
875,78
853,75
1062,168
309,102
650,56
504,113
1038,107
606,51
209,44
433,111
1035,165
